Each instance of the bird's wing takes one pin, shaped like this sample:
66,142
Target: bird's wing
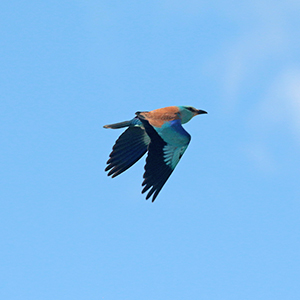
164,152
128,149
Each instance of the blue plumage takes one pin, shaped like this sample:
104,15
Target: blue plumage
158,132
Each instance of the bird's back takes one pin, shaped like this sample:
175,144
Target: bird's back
159,116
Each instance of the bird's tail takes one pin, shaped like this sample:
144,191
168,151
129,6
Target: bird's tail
132,123
118,125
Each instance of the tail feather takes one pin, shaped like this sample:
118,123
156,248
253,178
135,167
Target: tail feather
118,125
135,122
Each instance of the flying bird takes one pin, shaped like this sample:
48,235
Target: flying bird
159,132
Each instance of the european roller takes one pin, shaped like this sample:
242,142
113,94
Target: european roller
158,132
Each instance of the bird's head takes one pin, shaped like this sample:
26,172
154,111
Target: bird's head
188,112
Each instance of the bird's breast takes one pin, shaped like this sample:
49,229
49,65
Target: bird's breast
171,136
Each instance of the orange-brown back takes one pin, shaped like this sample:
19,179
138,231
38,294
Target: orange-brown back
159,116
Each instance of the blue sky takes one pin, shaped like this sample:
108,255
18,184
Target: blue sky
225,226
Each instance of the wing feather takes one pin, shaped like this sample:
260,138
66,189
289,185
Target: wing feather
162,156
128,149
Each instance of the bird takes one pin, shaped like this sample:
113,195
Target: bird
158,132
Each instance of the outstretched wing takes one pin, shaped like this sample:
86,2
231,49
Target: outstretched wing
167,146
128,149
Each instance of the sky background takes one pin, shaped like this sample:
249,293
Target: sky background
225,226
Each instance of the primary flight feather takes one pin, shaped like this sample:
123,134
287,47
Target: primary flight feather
161,134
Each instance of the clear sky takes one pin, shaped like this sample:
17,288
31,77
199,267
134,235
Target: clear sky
227,223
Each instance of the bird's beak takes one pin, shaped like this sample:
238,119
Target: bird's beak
200,111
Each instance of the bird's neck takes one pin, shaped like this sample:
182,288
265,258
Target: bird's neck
186,116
